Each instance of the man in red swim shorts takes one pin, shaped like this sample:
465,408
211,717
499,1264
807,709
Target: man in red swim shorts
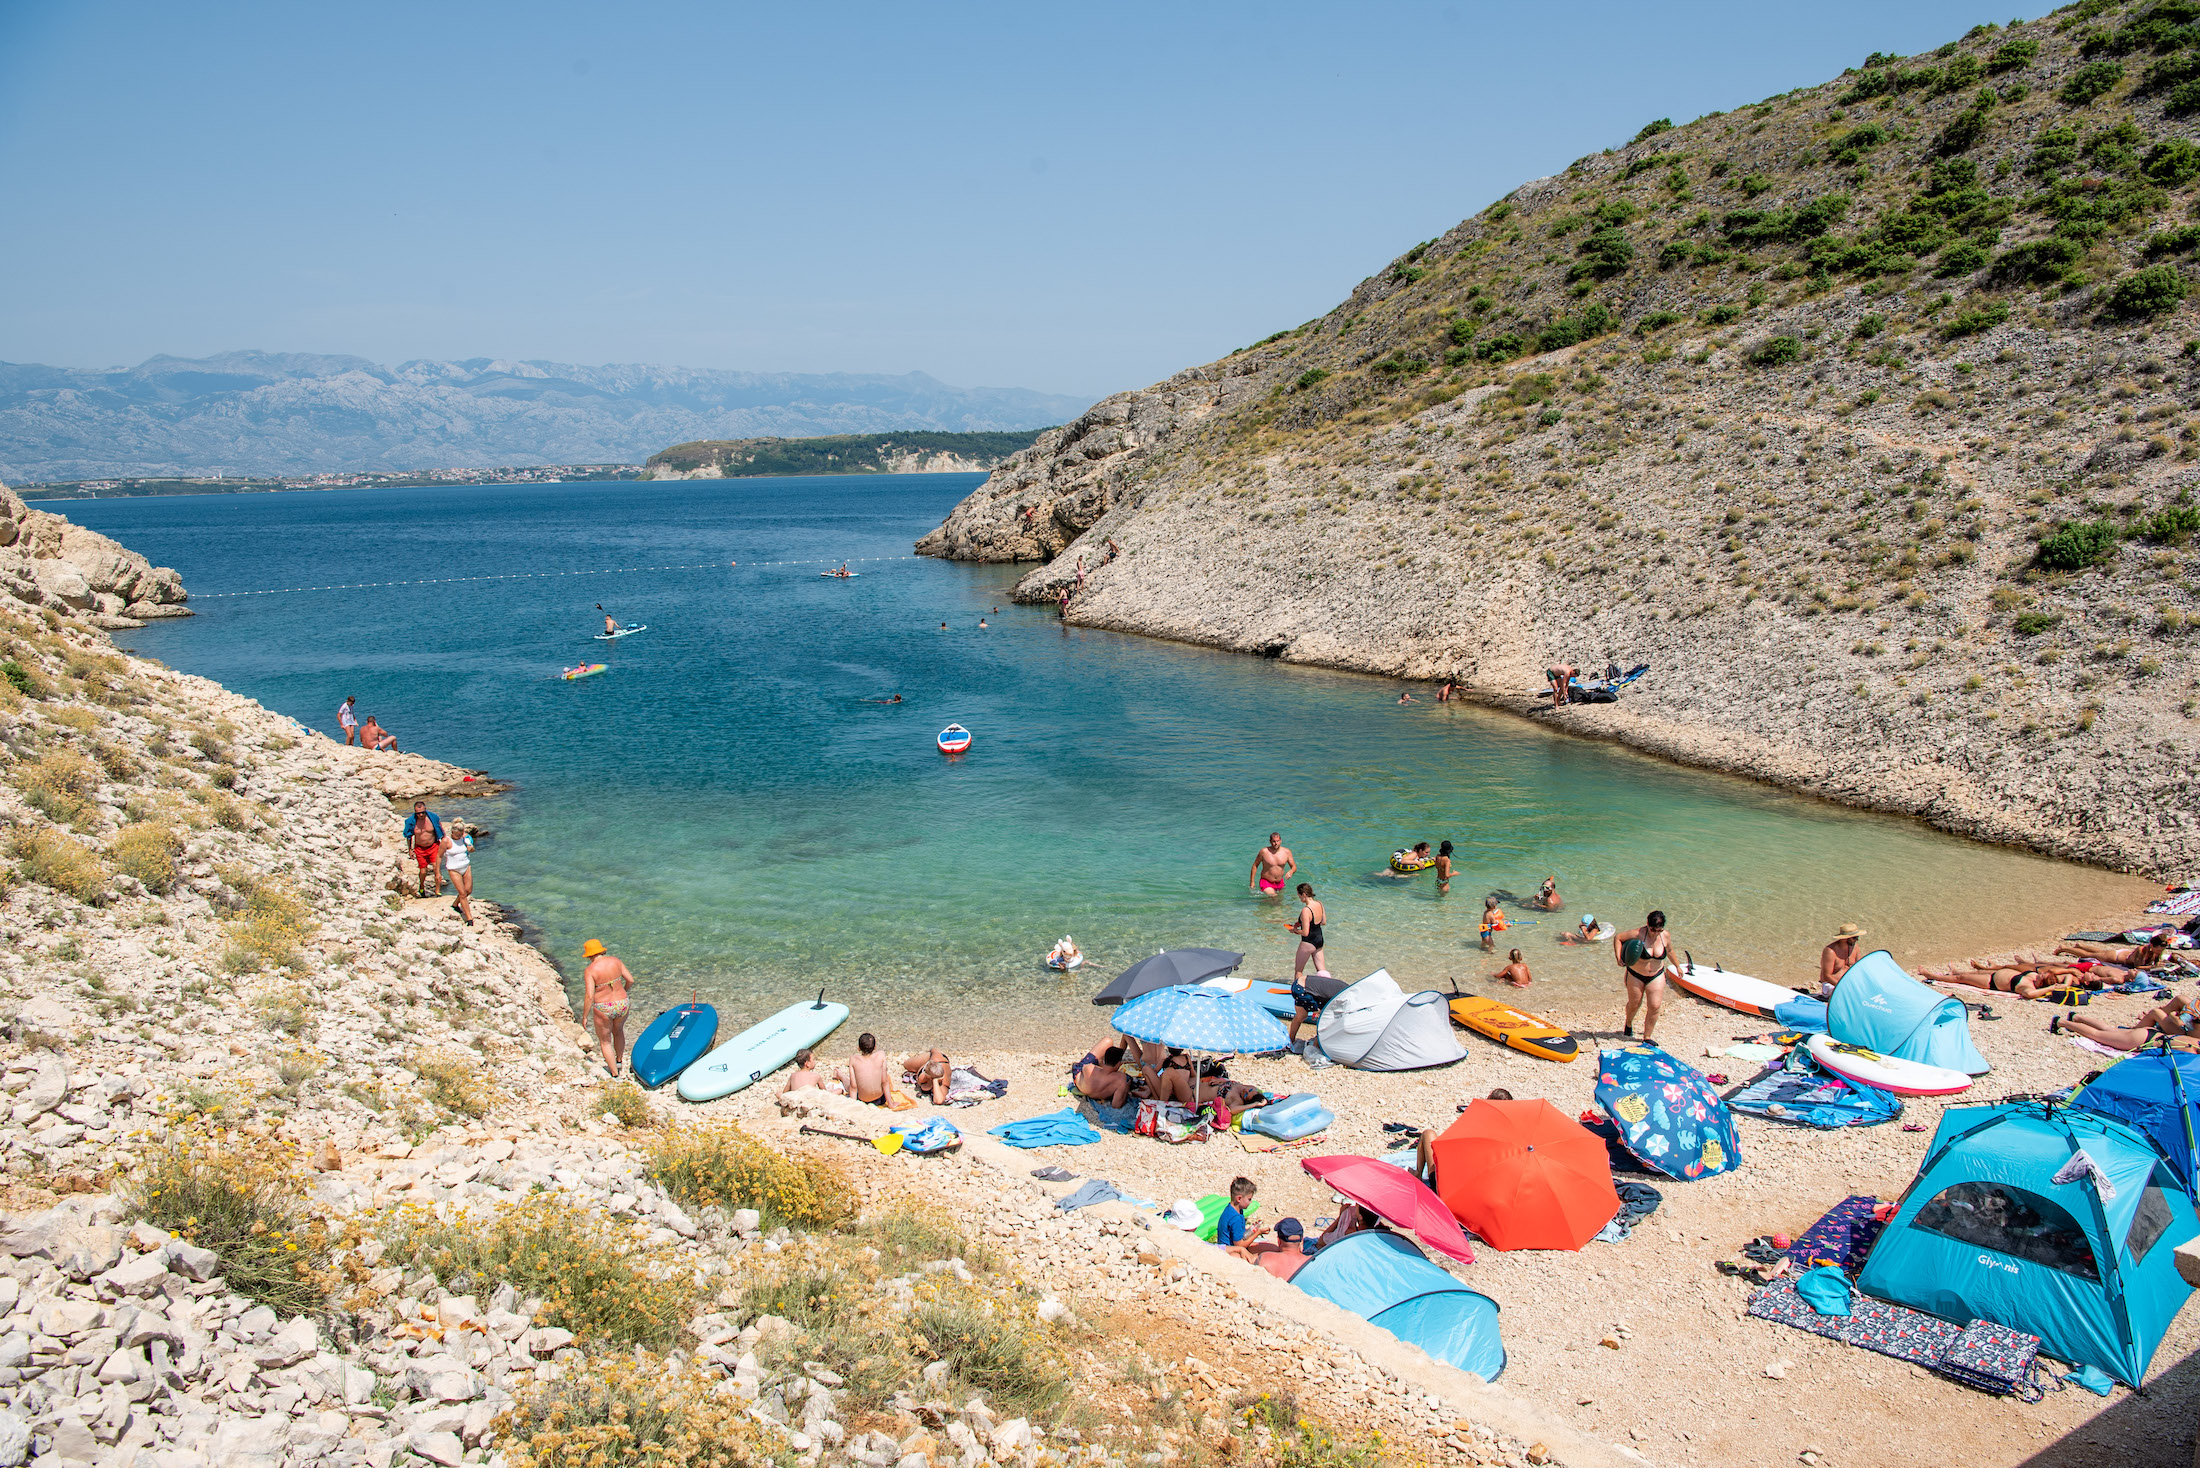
1273,866
424,834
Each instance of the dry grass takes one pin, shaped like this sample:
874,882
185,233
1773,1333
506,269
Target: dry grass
61,785
597,1278
625,1103
285,1011
244,1199
718,1164
148,852
455,1083
266,932
58,860
630,1409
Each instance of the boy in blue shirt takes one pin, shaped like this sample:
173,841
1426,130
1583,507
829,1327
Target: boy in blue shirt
1230,1228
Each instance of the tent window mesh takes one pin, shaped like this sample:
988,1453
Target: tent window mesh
2150,1222
2011,1221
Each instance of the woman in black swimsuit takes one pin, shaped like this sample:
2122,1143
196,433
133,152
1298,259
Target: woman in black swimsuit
1644,955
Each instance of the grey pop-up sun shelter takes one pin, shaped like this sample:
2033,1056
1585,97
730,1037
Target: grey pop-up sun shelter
1375,1025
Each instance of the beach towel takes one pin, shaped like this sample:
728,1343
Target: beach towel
1841,1239
1802,1013
1114,1118
2178,905
1056,1129
1637,1201
2096,1047
1210,1214
1799,1090
967,1087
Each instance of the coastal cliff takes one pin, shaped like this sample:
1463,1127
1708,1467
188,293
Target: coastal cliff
46,561
1859,415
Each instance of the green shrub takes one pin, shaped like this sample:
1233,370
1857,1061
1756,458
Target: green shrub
1531,388
60,861
1849,149
1310,377
2077,545
2054,150
1463,330
1656,321
1595,320
1962,131
1776,352
2014,54
2089,83
1975,319
1721,314
1502,347
2173,524
1399,364
1754,184
1869,325
2036,262
2171,162
1652,129
2179,241
595,1277
1606,253
994,1350
1961,258
1784,226
2155,290
2032,624
148,852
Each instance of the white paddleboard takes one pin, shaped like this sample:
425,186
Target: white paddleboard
760,1049
1887,1072
1735,991
840,575
622,632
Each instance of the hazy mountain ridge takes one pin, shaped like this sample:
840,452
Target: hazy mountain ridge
1865,415
291,413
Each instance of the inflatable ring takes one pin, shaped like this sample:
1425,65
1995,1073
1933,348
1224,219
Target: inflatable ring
1400,862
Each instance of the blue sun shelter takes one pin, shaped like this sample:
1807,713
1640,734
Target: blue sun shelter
1385,1279
1879,1007
2059,1222
2158,1092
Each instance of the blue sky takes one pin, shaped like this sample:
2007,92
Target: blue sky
1070,198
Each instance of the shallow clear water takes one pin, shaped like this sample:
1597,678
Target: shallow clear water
726,811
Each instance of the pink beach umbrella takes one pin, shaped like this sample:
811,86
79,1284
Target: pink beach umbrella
1397,1197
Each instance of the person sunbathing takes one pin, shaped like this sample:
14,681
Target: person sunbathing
2174,1021
1170,1083
2025,981
1101,1078
1214,1084
2131,955
930,1073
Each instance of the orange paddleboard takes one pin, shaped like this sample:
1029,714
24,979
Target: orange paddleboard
1516,1028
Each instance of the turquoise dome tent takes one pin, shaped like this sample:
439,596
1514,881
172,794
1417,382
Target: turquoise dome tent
1384,1278
2157,1091
1987,1231
1879,1007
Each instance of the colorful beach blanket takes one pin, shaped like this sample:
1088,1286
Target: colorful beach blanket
1842,1238
1986,1356
1063,1128
2182,904
1799,1090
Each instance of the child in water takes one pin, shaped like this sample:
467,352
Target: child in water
1493,923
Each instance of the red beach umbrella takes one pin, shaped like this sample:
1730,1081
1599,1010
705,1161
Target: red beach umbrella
1525,1175
1397,1197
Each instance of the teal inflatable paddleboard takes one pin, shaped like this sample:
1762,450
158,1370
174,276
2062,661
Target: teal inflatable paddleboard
760,1049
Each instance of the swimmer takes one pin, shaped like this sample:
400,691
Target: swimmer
981,624
1547,897
1584,932
1494,922
1443,868
1273,867
1407,698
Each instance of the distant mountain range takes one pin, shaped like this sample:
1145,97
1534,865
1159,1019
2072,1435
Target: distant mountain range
272,413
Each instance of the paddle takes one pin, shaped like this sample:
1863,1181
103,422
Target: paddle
888,1144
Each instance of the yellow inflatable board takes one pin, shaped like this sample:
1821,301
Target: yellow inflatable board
1516,1028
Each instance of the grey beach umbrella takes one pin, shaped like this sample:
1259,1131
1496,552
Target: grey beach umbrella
1169,967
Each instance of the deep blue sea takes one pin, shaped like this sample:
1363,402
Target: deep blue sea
727,808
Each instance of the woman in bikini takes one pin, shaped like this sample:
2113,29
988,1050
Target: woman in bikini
2130,955
930,1073
2175,1021
605,984
1443,867
1645,956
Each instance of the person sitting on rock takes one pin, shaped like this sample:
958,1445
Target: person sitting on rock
865,1076
373,736
1101,1078
804,1076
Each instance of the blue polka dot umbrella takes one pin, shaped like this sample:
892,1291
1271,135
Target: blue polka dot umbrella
1212,1021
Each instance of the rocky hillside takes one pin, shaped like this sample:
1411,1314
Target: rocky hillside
48,562
839,453
277,413
1860,414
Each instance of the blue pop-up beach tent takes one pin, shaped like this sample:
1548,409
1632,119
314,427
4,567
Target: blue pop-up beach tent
2085,1263
1879,1007
2158,1092
1385,1278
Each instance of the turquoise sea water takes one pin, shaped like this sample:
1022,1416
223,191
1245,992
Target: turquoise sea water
725,809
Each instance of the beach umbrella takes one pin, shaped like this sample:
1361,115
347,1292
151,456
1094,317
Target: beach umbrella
1525,1175
1667,1113
1170,967
1398,1198
1209,1020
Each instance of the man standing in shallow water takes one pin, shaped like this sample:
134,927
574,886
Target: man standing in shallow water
1273,866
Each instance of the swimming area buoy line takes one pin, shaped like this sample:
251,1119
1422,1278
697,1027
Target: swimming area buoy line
543,576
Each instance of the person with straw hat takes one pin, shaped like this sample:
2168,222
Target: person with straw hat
605,986
1839,956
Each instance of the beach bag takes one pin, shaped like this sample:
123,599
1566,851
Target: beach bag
1993,1358
1149,1119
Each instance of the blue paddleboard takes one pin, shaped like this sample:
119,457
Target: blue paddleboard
674,1041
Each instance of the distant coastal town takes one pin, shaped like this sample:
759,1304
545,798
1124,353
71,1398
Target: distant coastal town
87,489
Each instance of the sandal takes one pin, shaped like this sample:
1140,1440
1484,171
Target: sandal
2054,1026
